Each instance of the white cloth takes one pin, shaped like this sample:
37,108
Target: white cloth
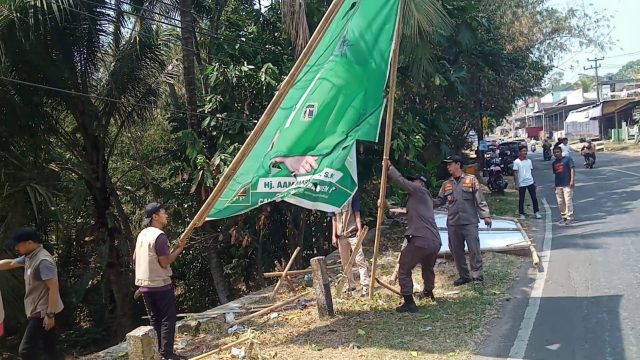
525,171
566,149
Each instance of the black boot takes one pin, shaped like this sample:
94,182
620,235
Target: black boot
461,281
408,306
428,294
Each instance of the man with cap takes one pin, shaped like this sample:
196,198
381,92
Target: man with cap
152,259
423,238
42,296
465,204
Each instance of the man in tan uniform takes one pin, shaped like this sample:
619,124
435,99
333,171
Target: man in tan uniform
42,297
465,203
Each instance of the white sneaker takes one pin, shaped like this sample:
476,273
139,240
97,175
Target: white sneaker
538,216
522,217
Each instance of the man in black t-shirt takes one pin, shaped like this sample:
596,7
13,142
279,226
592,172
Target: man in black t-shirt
565,181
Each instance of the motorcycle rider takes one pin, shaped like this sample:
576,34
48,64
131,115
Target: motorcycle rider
589,150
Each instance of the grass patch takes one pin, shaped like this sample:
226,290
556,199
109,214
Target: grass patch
623,147
504,204
448,329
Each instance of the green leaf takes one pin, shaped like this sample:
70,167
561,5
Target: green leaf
361,332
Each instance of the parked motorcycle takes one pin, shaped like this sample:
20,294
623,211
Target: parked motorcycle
496,182
506,164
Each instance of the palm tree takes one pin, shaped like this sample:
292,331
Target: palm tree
91,77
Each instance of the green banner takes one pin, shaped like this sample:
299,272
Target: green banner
306,155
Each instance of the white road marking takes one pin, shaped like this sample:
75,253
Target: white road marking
622,171
522,339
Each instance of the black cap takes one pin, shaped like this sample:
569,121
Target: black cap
422,178
453,159
21,235
149,211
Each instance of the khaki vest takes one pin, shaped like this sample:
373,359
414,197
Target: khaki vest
149,273
346,221
36,297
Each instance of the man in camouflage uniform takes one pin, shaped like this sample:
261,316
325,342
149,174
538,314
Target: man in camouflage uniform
465,203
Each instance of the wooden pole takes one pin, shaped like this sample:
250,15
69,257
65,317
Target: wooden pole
224,347
388,287
387,145
347,267
322,287
535,259
264,121
284,273
271,308
297,272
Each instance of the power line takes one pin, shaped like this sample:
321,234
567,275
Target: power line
221,38
71,92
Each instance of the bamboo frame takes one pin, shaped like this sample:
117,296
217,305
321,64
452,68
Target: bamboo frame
284,277
296,272
393,74
352,259
271,308
264,121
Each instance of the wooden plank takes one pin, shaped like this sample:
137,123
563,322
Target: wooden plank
292,273
271,308
322,288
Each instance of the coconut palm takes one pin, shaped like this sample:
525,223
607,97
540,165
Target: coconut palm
91,70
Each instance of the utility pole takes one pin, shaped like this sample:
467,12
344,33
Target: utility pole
596,67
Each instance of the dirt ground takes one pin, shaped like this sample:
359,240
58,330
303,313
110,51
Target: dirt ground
449,328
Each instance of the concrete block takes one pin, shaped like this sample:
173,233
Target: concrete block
142,344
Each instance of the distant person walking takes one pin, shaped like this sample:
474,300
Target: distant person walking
523,177
42,300
565,182
153,259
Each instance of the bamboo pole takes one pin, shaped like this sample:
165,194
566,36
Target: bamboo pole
224,347
284,273
264,121
535,259
387,144
352,259
271,308
388,287
297,272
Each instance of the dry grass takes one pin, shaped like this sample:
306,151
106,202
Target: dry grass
622,147
364,329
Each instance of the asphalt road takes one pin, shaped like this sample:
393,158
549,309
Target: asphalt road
590,302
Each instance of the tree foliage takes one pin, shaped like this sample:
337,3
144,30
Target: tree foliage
99,114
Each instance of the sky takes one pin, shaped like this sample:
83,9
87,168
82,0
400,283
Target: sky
626,17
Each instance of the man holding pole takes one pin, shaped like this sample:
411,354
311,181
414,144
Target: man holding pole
152,259
423,239
347,225
465,203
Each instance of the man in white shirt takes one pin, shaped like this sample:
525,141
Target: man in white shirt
523,178
564,145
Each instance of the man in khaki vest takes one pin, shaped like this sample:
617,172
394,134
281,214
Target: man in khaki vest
347,225
42,297
152,260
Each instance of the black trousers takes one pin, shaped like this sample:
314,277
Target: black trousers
161,307
37,341
410,257
522,191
